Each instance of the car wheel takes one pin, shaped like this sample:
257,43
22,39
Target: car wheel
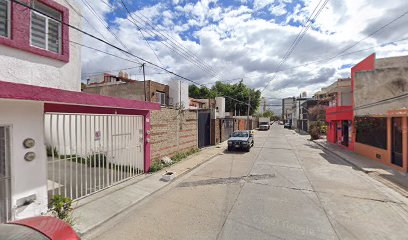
229,148
248,149
252,144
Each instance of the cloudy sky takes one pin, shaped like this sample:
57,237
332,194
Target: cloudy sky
210,40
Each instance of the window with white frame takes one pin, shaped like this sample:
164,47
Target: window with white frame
45,31
161,98
4,18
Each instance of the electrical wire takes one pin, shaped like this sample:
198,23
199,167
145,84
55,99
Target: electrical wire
297,40
154,33
101,40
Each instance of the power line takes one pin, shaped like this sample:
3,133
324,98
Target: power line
342,52
86,3
322,60
298,38
101,40
193,55
375,32
152,33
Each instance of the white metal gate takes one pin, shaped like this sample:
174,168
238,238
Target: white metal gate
88,153
5,179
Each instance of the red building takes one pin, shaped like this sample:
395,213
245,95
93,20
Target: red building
339,114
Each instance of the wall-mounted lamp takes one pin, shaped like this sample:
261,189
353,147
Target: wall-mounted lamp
30,156
29,143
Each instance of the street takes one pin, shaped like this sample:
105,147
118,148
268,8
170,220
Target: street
284,188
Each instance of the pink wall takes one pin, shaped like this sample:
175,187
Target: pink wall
20,31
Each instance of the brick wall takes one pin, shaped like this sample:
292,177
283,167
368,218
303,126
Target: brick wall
172,132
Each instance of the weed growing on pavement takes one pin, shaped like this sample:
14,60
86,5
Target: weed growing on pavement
159,165
61,207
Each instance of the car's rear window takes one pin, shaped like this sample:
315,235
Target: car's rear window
240,134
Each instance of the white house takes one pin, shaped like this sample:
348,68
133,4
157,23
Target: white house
40,78
178,93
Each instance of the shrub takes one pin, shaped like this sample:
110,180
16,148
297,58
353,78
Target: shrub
156,166
323,129
96,160
314,130
50,151
61,207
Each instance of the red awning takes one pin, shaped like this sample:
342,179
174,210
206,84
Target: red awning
19,91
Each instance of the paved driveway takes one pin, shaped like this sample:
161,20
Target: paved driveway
285,188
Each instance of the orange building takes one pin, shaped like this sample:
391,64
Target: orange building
380,102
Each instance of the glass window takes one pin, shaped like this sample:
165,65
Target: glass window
45,31
371,131
4,18
161,98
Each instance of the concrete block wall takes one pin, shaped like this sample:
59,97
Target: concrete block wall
172,131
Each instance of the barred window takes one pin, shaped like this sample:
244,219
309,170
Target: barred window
4,18
372,131
45,31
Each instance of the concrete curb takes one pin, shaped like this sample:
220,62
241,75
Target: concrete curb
88,231
373,174
341,157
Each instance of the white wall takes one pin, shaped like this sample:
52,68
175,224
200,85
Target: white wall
220,104
175,88
26,121
23,67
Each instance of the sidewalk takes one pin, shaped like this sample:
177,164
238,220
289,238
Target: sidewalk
388,176
96,209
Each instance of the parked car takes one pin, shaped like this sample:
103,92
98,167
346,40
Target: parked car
280,122
264,126
38,228
243,140
287,125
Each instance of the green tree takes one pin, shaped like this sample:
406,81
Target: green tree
238,91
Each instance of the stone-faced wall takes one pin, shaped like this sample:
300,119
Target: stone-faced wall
172,131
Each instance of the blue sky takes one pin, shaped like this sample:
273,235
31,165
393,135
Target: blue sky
246,39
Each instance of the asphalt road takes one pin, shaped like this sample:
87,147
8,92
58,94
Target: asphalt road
285,188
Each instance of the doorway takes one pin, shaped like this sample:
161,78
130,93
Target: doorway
396,138
204,129
345,133
5,178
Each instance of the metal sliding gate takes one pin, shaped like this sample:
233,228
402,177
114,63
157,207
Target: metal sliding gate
5,177
88,153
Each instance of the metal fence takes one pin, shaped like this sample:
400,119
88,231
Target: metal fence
5,179
88,153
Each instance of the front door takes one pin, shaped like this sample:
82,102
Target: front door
345,133
5,193
396,157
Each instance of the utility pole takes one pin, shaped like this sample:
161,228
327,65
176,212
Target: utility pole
144,80
249,106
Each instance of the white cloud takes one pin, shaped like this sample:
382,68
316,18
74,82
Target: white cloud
236,44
